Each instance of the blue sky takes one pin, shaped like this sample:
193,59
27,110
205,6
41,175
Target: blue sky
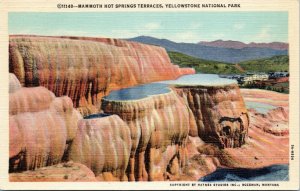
176,26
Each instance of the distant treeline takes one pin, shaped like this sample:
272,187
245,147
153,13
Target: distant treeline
278,87
272,64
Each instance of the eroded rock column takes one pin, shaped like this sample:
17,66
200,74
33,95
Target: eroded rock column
159,127
40,126
103,144
220,113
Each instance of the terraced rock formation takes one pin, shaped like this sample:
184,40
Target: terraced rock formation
86,69
171,130
41,126
219,112
103,144
159,127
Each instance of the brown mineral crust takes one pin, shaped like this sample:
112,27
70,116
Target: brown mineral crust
140,53
265,96
260,151
86,69
39,127
103,144
180,135
279,114
219,112
267,144
64,107
276,121
30,100
159,127
41,145
63,172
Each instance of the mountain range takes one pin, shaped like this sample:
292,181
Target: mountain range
222,52
240,45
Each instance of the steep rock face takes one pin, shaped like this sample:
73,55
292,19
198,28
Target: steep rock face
220,113
64,172
275,121
264,96
159,127
85,69
35,118
103,145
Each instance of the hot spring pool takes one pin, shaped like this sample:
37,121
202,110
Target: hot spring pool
97,115
260,107
145,90
201,80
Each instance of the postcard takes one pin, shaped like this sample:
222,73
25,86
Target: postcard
150,95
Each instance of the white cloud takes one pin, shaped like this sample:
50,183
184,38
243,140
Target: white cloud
238,26
264,34
70,32
151,26
195,25
146,29
191,34
124,33
25,31
187,36
56,32
218,36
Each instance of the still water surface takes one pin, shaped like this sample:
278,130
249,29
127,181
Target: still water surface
270,173
142,91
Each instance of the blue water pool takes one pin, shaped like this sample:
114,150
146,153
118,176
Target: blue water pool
142,91
270,173
138,92
201,79
97,115
260,107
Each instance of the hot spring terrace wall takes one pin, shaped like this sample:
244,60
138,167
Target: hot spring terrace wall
41,126
86,69
220,113
143,139
159,127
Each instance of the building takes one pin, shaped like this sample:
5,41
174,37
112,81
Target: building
274,75
249,77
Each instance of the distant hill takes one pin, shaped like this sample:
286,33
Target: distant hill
240,45
203,66
275,63
229,55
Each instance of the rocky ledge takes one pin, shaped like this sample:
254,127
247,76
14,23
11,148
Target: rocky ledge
86,69
159,127
41,126
220,113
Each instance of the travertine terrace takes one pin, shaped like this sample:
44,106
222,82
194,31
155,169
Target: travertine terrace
56,83
86,69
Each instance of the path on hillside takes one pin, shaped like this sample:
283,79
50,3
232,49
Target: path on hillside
239,68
